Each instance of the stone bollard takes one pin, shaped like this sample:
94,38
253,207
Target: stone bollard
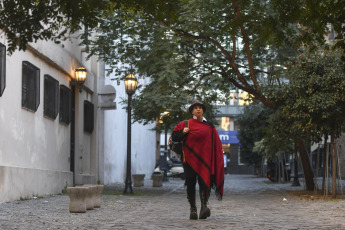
138,180
157,180
90,197
77,196
97,201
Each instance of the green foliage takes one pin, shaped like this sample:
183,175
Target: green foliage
26,21
253,123
176,78
64,190
199,49
205,47
260,148
315,20
24,198
311,102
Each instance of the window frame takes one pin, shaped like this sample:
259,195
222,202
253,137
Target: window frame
2,68
88,116
65,105
50,97
30,73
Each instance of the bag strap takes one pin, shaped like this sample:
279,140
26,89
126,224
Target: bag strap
187,125
186,122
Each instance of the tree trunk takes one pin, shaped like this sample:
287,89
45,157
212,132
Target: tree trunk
334,168
325,149
295,169
282,163
262,167
317,168
308,172
279,169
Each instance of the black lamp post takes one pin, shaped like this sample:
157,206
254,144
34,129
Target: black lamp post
165,113
164,163
131,85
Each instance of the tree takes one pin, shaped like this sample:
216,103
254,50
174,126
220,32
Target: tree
253,123
316,20
174,80
207,27
25,21
312,101
223,37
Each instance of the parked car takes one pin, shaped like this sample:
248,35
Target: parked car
172,166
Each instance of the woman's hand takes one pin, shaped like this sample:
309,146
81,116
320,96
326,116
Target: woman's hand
185,130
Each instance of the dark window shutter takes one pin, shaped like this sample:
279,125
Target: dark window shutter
24,86
88,116
65,105
30,86
51,96
2,68
37,88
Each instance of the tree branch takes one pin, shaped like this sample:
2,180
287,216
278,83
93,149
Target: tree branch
246,44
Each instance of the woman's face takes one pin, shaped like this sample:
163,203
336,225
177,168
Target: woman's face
198,111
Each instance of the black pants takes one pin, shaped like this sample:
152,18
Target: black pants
191,179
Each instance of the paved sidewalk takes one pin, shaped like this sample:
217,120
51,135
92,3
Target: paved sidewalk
249,202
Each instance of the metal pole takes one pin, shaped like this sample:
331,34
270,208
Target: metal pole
166,139
128,189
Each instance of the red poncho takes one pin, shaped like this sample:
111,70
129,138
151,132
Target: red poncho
203,151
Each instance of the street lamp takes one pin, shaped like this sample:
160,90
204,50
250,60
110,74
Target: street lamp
165,113
131,85
79,78
163,162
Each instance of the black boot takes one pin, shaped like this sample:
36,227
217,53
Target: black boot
204,211
191,199
193,212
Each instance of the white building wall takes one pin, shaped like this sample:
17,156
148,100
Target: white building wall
35,150
143,146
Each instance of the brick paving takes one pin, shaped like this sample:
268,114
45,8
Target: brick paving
249,202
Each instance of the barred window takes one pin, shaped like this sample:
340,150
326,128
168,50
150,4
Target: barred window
65,105
51,97
88,116
2,68
30,86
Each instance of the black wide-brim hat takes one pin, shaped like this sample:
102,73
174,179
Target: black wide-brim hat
196,102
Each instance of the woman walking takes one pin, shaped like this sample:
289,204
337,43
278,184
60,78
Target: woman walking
202,159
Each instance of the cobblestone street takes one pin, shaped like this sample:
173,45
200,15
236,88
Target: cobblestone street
249,202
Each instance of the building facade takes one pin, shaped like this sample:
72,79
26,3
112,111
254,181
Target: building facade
49,136
227,129
143,146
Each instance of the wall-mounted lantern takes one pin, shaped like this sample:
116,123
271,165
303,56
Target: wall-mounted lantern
79,78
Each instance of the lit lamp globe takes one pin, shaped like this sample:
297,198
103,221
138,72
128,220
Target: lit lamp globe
131,84
80,76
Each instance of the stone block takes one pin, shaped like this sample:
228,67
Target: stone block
138,179
157,180
97,201
77,197
91,196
